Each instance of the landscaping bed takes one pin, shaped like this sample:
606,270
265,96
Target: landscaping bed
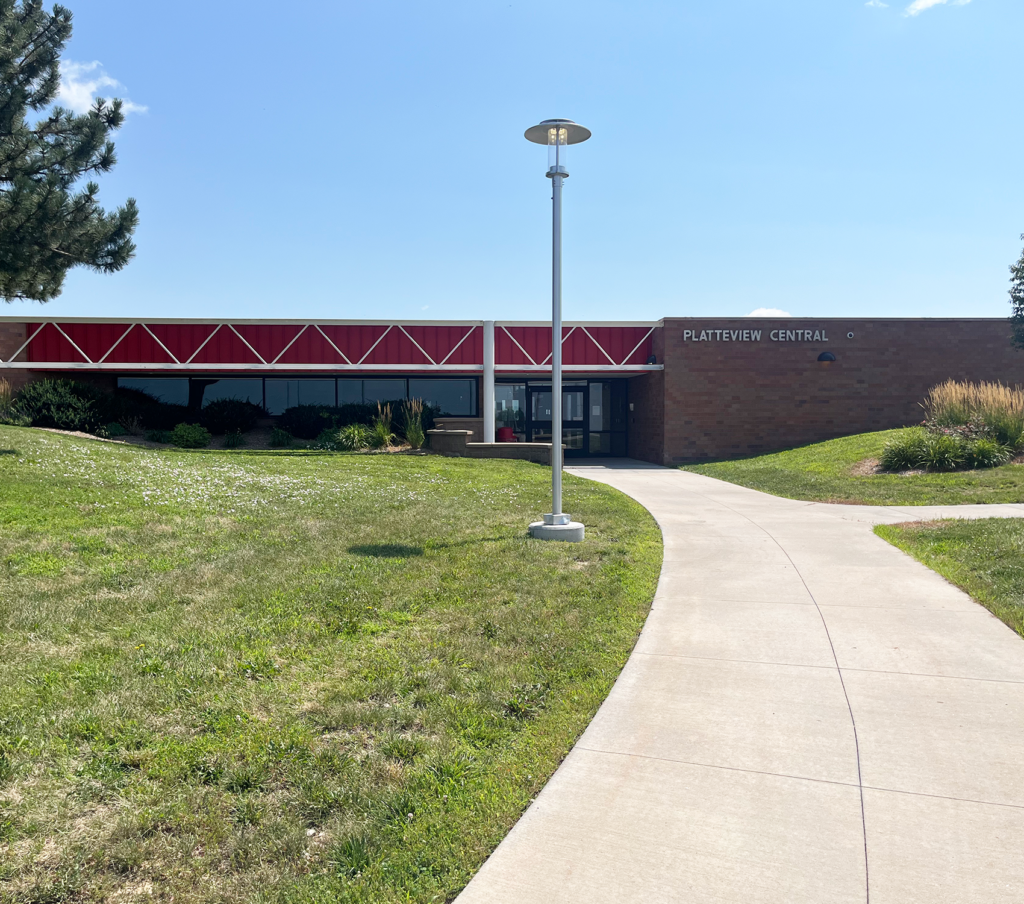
285,676
846,470
968,449
985,558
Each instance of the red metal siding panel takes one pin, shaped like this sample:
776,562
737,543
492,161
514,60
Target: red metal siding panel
50,345
94,339
354,340
269,339
579,348
439,341
225,347
630,337
311,348
138,347
396,348
182,339
535,341
471,351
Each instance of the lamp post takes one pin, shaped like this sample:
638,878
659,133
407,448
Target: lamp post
557,134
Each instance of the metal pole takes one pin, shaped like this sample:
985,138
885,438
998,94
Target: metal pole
487,402
556,348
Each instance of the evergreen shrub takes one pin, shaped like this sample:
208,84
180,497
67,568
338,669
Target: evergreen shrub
62,405
307,421
190,436
133,407
230,416
280,438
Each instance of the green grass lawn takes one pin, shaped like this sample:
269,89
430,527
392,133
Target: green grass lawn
985,558
284,676
825,472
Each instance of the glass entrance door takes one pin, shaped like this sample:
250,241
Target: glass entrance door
573,409
593,415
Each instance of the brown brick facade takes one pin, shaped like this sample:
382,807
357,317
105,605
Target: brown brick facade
12,337
726,397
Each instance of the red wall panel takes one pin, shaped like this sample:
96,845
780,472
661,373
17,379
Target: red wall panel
332,345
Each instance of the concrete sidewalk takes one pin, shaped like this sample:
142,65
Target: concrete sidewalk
809,716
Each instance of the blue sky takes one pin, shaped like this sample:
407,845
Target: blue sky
326,159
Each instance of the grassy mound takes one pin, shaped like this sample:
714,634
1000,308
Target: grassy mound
236,676
840,470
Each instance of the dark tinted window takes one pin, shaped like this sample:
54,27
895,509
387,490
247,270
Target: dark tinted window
453,397
284,394
383,390
350,392
173,390
246,390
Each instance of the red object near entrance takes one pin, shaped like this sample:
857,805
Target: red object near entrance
506,435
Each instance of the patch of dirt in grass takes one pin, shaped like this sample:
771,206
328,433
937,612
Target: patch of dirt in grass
918,525
870,467
866,468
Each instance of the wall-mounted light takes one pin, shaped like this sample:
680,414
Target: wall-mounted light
652,359
826,357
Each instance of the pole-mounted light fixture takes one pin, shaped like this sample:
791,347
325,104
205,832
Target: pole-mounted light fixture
557,134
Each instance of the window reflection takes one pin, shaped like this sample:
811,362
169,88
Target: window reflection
453,397
172,390
284,394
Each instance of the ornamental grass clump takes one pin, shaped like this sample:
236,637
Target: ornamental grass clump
9,414
381,434
412,412
353,437
975,410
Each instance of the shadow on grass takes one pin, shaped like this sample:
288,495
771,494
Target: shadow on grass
8,451
387,550
404,551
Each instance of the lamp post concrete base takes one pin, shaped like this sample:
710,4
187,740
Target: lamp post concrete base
570,532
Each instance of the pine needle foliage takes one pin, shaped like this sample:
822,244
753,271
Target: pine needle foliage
1017,300
46,225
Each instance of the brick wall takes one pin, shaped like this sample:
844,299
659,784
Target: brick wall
12,336
731,398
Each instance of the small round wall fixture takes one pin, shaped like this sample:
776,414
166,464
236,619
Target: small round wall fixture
849,335
826,357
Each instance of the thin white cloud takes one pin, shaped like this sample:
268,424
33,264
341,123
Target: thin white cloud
769,312
81,83
877,4
919,6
